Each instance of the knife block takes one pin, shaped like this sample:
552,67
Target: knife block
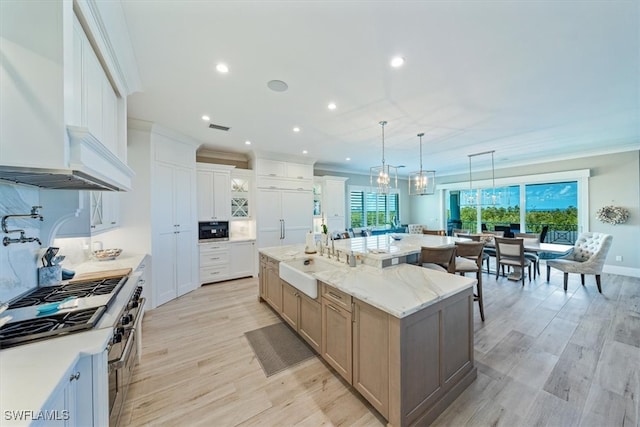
49,276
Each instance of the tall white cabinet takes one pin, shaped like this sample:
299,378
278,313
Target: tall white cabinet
160,214
332,209
284,202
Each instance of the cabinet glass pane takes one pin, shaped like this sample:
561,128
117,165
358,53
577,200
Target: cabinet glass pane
240,197
239,207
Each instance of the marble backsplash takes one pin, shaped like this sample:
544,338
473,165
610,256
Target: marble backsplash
18,261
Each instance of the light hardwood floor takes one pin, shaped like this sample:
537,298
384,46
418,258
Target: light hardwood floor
544,357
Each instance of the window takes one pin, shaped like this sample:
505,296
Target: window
371,210
539,204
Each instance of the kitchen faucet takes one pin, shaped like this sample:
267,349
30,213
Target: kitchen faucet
22,239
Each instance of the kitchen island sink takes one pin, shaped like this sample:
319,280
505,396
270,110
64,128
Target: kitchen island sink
298,273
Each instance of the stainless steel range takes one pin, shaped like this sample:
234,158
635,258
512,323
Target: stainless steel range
106,303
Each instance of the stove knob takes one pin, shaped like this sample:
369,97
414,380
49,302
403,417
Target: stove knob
119,331
116,338
133,304
125,320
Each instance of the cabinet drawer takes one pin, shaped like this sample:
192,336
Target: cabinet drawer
214,274
336,296
213,247
214,258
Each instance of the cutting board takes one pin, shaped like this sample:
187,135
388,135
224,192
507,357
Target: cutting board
98,275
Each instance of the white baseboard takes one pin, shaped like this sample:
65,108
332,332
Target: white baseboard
622,271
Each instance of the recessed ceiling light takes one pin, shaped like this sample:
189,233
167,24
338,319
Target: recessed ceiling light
222,68
397,62
296,129
206,118
304,151
277,85
348,159
332,106
248,142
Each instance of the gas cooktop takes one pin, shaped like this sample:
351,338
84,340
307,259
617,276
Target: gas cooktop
30,330
59,293
29,322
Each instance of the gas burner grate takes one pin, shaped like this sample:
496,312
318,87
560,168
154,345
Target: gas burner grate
25,331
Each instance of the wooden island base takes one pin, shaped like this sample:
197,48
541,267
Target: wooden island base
410,369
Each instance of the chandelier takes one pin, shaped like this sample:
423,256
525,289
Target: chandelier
478,196
422,182
383,178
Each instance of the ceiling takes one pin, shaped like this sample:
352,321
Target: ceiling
533,80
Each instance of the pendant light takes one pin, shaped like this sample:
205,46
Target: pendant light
422,182
383,178
483,197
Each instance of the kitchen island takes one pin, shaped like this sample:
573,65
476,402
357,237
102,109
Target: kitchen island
402,336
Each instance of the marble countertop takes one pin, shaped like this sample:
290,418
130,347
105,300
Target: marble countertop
32,373
398,290
384,246
125,260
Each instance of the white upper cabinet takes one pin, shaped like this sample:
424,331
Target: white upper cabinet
213,187
66,110
275,174
242,206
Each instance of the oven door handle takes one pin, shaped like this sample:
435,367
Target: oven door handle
127,348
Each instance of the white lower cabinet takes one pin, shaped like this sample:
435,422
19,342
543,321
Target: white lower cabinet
226,260
81,398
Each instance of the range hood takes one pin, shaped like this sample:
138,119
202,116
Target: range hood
56,179
92,166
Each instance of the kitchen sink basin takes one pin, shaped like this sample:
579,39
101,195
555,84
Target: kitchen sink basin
298,273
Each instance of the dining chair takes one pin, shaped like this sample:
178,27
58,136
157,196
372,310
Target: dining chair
434,232
588,257
469,260
460,232
510,252
485,256
531,255
440,259
415,228
491,251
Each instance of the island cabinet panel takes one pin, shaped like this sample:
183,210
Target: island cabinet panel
371,355
290,305
336,337
310,321
273,286
436,360
262,278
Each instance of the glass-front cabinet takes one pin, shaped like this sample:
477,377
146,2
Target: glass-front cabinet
241,183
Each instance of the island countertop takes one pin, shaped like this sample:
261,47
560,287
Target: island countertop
399,290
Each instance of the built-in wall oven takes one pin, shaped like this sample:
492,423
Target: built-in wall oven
123,352
213,230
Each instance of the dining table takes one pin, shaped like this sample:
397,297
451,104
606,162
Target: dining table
530,245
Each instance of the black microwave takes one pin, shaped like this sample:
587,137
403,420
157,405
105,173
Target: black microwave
213,230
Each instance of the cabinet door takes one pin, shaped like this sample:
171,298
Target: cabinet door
297,212
371,355
290,305
185,280
163,192
182,199
204,186
164,268
267,167
270,225
241,202
242,254
274,288
336,338
262,278
335,223
299,171
334,201
109,117
310,321
93,77
221,196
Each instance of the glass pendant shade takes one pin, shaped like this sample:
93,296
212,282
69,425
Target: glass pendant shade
422,182
383,178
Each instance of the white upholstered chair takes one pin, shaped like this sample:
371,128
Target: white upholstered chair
588,257
415,228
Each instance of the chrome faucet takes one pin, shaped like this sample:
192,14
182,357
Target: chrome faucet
22,239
